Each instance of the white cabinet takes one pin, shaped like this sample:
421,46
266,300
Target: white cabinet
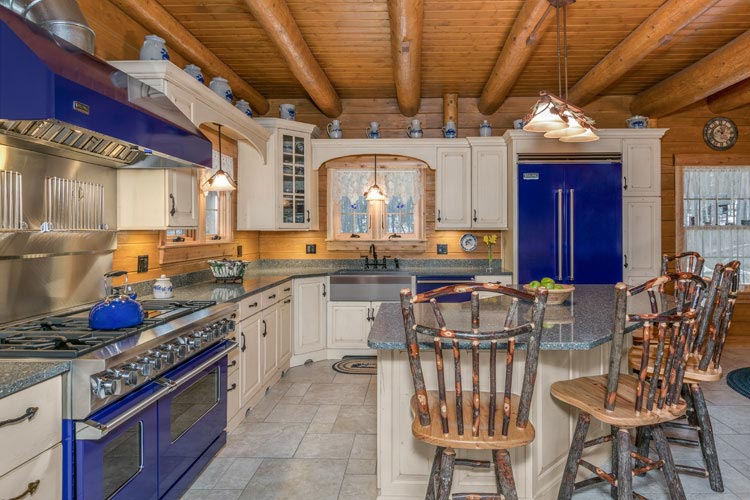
489,183
350,323
453,188
642,238
282,193
268,342
284,348
44,471
641,167
250,376
310,300
157,199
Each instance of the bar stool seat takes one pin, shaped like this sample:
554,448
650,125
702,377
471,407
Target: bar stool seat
433,433
589,393
692,372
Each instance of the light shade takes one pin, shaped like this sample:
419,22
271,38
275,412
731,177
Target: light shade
220,181
587,136
574,128
546,117
374,193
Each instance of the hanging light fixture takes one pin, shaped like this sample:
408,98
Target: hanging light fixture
374,193
553,115
221,180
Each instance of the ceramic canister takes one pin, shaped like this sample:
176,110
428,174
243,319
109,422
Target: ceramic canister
195,72
373,131
244,106
485,129
153,49
449,130
287,111
334,129
637,121
414,129
163,288
221,87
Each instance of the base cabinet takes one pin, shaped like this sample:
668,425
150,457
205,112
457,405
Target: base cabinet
350,324
284,349
250,377
641,238
269,334
309,312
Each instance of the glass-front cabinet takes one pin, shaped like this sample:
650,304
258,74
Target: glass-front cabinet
282,193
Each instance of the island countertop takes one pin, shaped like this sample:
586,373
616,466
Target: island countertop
580,323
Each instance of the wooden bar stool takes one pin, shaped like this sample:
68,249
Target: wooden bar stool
627,402
439,416
703,365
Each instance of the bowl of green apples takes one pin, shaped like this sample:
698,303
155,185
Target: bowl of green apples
558,292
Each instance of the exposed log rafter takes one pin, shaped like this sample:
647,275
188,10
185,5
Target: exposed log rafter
156,19
654,32
720,69
531,22
407,17
731,98
277,21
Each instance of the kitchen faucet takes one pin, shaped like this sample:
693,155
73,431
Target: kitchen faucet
374,254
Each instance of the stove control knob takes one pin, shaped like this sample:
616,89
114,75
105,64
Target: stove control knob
105,386
207,336
154,360
231,324
194,342
143,366
180,350
127,373
167,356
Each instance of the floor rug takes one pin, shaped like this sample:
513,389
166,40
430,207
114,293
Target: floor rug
739,380
357,365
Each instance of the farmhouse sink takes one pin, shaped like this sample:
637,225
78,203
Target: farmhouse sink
376,286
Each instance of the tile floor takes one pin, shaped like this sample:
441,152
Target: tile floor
313,437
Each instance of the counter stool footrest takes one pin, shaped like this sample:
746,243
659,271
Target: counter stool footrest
691,471
684,442
680,425
477,464
599,440
648,468
599,472
587,482
476,496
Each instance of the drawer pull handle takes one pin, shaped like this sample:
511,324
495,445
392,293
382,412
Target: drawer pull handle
30,413
254,304
30,490
272,296
232,387
243,346
265,328
287,301
288,289
233,363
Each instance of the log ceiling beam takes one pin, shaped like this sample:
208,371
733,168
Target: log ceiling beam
151,15
656,31
731,98
531,22
718,70
407,17
277,21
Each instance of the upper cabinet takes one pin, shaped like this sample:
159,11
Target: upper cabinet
471,185
641,172
282,193
157,199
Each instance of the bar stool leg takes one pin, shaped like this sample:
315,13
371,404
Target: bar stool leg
434,474
447,462
504,474
670,473
643,442
614,460
706,436
624,466
576,450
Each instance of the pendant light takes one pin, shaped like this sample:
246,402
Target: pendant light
221,180
554,116
374,193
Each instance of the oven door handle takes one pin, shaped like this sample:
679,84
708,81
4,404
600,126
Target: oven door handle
92,430
173,384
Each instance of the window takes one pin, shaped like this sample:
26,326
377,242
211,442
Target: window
399,217
714,216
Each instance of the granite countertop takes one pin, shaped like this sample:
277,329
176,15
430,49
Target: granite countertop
17,375
581,323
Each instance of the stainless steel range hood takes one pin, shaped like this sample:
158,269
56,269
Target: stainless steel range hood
58,99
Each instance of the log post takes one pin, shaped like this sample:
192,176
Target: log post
450,108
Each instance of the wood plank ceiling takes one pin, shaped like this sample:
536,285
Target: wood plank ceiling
461,43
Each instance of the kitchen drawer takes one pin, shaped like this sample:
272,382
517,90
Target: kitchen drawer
27,438
233,393
285,289
271,296
250,305
43,471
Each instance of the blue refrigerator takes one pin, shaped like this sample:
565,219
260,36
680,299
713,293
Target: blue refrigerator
570,222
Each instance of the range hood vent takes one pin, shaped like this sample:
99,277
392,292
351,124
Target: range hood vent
58,99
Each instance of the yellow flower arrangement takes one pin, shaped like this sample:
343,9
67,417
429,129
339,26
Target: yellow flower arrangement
490,240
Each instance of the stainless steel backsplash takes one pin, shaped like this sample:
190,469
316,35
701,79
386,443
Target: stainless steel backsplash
41,272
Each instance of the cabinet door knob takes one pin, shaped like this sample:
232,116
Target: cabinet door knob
626,261
232,387
475,215
625,186
243,346
324,289
173,210
308,216
439,218
265,328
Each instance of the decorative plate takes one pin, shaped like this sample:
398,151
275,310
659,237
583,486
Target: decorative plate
468,242
720,133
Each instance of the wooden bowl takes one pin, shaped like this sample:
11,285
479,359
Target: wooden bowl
555,297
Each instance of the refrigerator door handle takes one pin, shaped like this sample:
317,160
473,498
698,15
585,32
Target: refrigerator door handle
572,233
559,234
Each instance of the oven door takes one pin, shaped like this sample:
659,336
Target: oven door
194,414
116,449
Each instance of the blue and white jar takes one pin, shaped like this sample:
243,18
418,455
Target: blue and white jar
373,131
163,288
154,49
221,87
244,106
449,130
637,121
485,129
287,112
195,72
414,129
334,129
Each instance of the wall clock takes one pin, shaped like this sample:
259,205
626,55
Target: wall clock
720,133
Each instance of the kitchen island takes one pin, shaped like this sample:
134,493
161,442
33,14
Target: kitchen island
575,343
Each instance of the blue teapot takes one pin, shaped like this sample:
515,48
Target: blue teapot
117,310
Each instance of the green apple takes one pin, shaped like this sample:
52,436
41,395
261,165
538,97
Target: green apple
534,284
547,282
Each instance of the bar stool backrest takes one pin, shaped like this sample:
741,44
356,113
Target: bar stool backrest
717,315
674,329
685,262
458,340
